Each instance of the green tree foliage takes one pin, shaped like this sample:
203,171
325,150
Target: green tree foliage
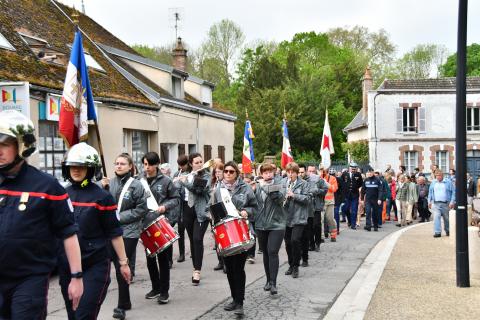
302,77
358,150
420,62
449,69
373,49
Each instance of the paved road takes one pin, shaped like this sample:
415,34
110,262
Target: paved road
307,297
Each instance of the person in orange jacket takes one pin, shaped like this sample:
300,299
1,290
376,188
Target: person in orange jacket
332,185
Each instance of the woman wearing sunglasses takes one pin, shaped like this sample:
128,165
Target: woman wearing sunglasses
245,202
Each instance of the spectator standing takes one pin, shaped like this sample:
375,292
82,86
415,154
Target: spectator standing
441,198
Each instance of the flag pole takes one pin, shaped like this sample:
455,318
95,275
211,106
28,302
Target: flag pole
99,140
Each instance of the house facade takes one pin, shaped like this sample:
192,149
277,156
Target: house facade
141,105
412,123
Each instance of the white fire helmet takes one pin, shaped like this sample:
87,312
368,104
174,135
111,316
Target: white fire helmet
14,124
82,155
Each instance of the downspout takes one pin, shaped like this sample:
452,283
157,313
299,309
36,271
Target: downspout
198,132
375,127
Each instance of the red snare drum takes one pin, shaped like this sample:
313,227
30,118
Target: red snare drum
232,236
158,236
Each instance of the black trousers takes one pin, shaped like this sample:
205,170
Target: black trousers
196,231
316,228
251,251
24,298
123,287
423,209
236,275
160,273
181,229
293,244
96,279
270,242
307,238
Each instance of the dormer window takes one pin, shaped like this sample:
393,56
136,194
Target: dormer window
5,44
92,63
42,49
177,87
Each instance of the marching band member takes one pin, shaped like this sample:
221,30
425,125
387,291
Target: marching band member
331,182
131,209
167,198
244,200
217,177
270,222
184,170
296,205
195,213
94,210
35,211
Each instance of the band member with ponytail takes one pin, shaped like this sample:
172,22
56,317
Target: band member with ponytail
184,170
270,222
167,198
131,209
195,214
296,205
245,202
94,210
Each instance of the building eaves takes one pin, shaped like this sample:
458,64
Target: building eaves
358,122
200,81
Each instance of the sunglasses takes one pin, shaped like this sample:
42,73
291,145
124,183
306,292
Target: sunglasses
229,171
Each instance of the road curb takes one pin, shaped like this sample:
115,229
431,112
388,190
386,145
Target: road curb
353,301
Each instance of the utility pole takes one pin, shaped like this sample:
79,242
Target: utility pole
461,238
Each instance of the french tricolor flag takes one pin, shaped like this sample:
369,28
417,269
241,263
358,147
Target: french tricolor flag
247,157
77,105
286,150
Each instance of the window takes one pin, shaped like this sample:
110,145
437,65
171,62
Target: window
5,44
181,149
164,150
51,149
473,119
221,153
442,160
411,118
207,152
192,148
92,63
411,161
139,147
177,87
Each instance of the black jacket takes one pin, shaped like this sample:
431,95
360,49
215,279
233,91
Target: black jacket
28,237
372,189
94,210
353,184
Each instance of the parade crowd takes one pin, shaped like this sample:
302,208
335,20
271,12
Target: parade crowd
83,228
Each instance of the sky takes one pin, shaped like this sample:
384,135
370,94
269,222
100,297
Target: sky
408,22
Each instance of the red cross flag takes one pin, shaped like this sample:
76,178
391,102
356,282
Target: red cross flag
327,144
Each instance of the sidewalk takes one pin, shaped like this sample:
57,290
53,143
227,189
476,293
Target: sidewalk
419,280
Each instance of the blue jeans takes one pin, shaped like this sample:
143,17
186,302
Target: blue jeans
440,210
351,206
371,211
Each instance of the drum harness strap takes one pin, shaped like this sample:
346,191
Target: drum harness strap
151,202
124,190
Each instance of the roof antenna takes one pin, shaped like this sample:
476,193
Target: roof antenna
176,15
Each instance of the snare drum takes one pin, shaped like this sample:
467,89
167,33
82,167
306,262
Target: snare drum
158,236
232,236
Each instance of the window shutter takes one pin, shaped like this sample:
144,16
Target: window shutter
399,119
422,119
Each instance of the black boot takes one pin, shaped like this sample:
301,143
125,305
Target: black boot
273,287
267,286
218,267
239,309
230,306
295,272
289,271
181,258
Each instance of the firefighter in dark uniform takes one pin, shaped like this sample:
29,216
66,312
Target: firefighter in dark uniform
167,198
94,210
35,211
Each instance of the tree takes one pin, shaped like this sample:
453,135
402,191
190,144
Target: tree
421,62
358,150
449,69
373,49
161,54
224,42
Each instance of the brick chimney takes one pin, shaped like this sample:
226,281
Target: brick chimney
179,56
367,84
